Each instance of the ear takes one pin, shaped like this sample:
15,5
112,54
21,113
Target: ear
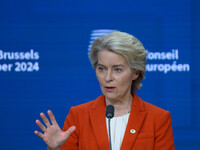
135,75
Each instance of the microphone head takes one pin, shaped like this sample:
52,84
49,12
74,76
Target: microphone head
110,111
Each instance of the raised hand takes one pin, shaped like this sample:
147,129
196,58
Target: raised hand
53,136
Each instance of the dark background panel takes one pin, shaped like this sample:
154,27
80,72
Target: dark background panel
60,32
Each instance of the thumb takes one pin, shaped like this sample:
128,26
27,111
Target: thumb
70,130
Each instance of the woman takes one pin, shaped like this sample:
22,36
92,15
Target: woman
119,60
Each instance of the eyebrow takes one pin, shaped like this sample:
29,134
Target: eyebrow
117,65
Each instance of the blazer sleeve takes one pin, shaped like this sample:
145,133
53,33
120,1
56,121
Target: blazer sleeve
163,132
72,142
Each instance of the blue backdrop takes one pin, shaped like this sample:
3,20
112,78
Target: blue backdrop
44,61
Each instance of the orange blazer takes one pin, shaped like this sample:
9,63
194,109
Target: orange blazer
152,125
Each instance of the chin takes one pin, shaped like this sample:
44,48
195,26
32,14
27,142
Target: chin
110,96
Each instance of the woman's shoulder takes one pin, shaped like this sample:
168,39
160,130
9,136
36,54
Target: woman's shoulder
151,107
86,106
155,112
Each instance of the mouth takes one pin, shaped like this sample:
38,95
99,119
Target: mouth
110,88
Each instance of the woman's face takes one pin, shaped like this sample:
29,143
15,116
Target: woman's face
114,75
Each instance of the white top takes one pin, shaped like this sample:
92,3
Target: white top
117,127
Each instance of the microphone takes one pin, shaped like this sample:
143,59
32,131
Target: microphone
109,115
109,111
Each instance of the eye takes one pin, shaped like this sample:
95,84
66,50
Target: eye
118,70
101,69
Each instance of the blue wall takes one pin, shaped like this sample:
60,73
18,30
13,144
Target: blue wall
44,61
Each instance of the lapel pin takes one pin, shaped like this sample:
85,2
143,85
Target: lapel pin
132,131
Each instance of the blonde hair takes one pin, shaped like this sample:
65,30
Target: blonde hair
126,45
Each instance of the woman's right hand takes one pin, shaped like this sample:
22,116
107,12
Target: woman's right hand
53,136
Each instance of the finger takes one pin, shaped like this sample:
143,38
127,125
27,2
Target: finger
39,134
45,120
70,130
41,126
52,117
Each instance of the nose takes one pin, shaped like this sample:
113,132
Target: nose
109,76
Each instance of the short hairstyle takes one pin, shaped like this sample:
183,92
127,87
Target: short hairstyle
127,46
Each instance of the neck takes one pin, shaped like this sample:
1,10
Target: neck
121,106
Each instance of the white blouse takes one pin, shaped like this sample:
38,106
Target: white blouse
117,127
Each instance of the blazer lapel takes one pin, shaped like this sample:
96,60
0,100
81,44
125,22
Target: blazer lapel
98,120
136,119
